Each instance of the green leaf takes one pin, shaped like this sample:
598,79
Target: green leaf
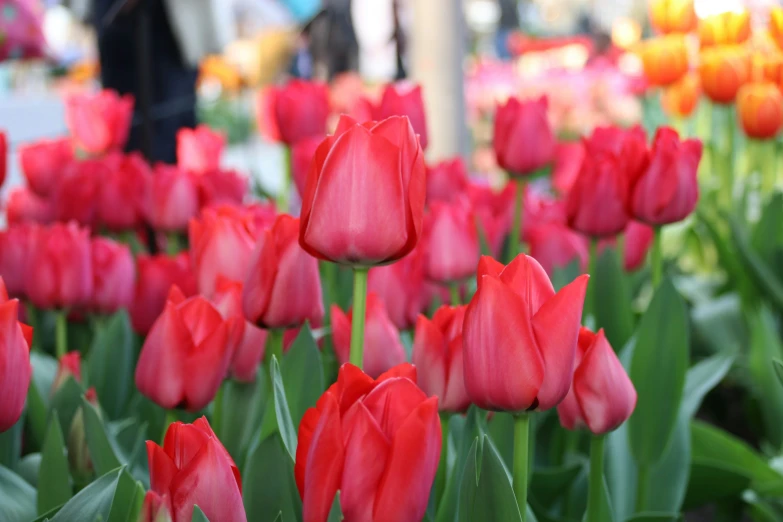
268,484
284,422
702,378
658,368
128,499
336,512
765,346
486,492
547,485
615,314
111,363
303,374
28,467
239,408
11,444
198,515
712,481
768,233
655,517
103,455
44,371
778,364
718,323
65,402
765,279
92,502
53,476
37,413
17,497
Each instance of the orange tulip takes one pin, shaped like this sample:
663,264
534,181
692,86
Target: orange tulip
680,99
673,16
776,25
760,108
725,28
723,71
665,59
768,68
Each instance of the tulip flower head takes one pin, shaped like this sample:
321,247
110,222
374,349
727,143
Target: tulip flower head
69,365
602,395
24,206
42,163
760,108
199,150
403,99
665,59
451,242
446,180
723,70
300,110
123,194
673,16
174,199
114,275
99,122
401,288
519,336
523,138
155,276
681,99
727,28
15,368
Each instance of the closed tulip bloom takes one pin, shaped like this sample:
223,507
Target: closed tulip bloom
401,288
114,275
156,508
568,162
602,395
523,138
760,108
174,199
776,25
437,354
68,366
187,353
99,122
62,264
377,442
382,346
252,340
494,212
283,285
673,16
3,157
221,243
681,99
519,336
451,243
404,100
723,70
123,194
596,203
667,191
76,197
15,368
221,187
300,109
24,206
194,469
42,163
16,247
725,29
665,59
555,246
199,150
638,239
155,275
446,180
364,200
302,154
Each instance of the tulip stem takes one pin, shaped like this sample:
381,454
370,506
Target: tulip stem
358,316
596,485
768,167
61,333
521,464
657,259
456,300
515,242
642,488
173,244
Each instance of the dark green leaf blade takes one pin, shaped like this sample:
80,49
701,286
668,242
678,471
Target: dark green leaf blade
103,456
284,422
54,480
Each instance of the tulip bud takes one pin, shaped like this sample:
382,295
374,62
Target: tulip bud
79,459
156,508
680,99
404,100
523,138
446,180
300,110
760,108
123,194
24,206
727,28
174,199
199,149
723,70
69,365
451,243
16,369
673,16
99,122
43,164
401,287
665,59
114,275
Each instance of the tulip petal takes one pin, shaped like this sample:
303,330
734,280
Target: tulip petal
366,451
207,367
382,346
556,326
352,383
183,441
325,459
429,356
307,428
502,364
529,280
404,370
341,334
201,318
455,398
260,278
162,468
488,266
391,414
413,461
15,368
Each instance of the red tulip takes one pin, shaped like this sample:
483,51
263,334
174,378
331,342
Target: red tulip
629,146
221,243
667,191
76,197
114,275
568,161
524,141
15,368
283,286
16,247
262,215
251,348
42,163
354,218
494,212
99,122
173,199
69,365
451,242
382,346
602,395
300,110
199,150
555,246
3,157
124,193
156,508
60,267
446,180
194,469
520,336
302,155
404,100
221,187
437,354
155,275
638,239
186,354
401,288
377,442
24,206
